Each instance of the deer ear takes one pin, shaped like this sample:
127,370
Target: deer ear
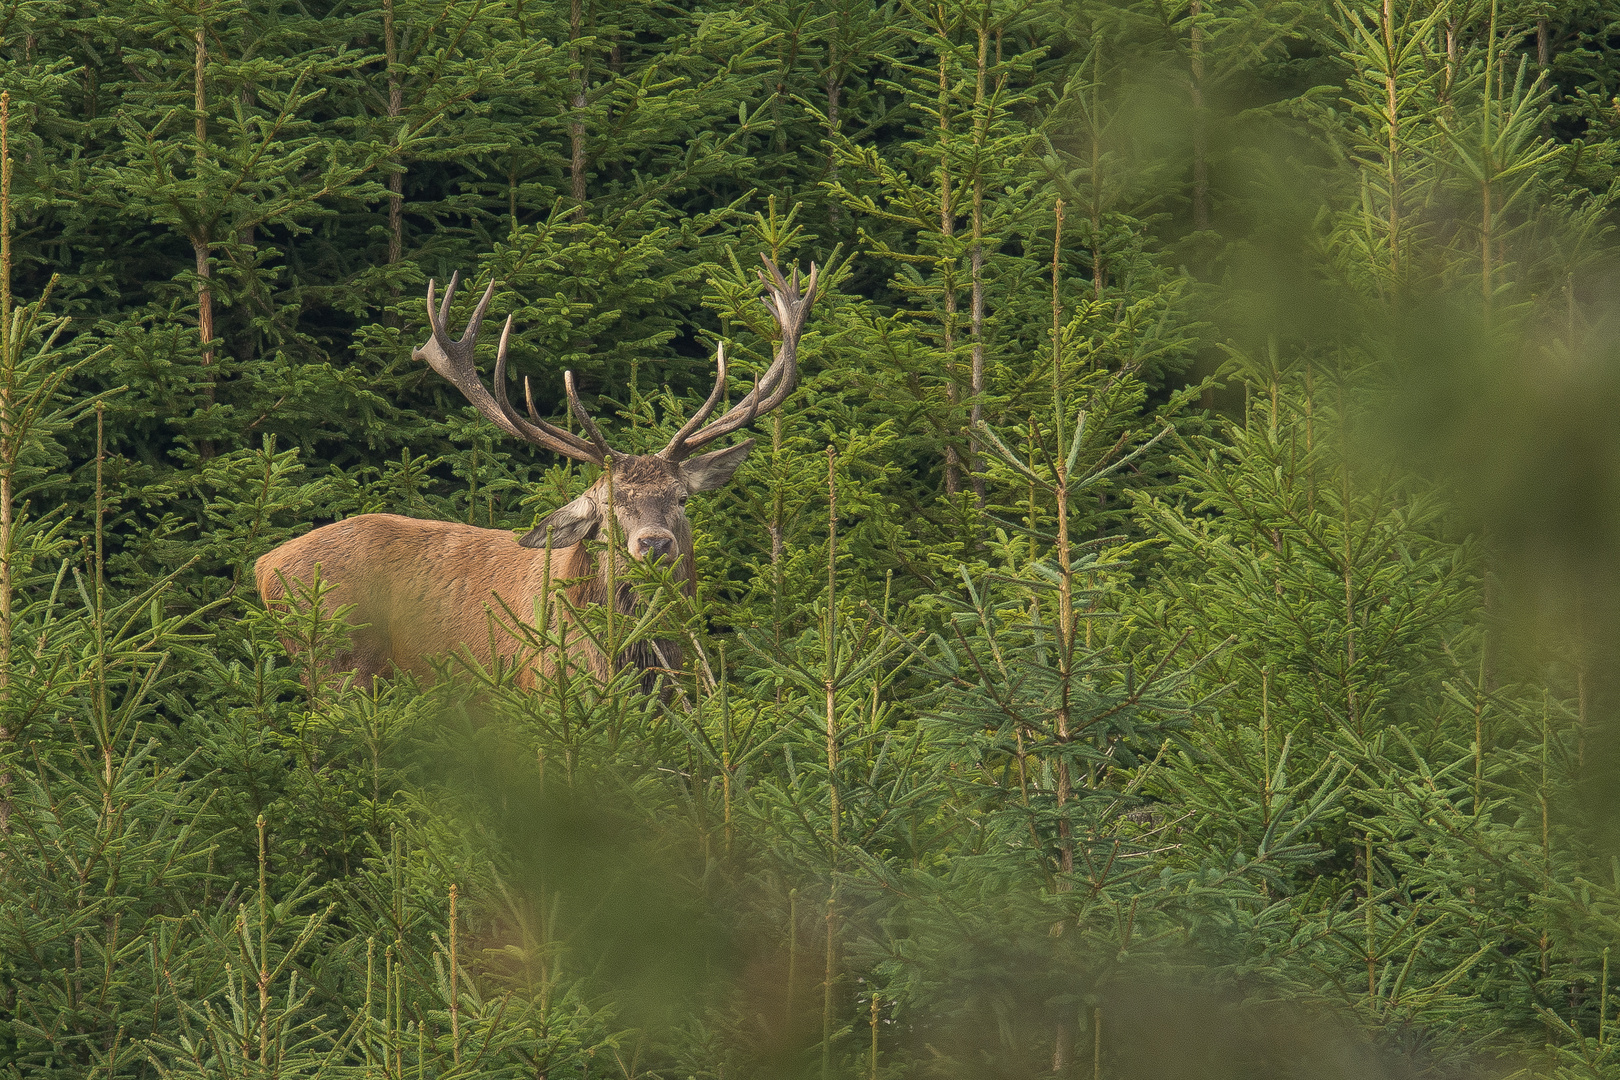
709,471
569,525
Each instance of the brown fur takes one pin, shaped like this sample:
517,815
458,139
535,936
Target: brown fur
421,589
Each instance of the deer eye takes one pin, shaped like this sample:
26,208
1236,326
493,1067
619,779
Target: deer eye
681,501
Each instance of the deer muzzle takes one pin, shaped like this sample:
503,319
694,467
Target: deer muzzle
653,544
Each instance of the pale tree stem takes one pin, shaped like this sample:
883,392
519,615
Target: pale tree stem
1392,104
1063,1050
1485,246
1096,178
8,441
1065,784
1452,25
828,981
947,228
829,682
1200,143
105,715
830,685
1096,1042
1371,927
872,1068
205,303
1063,1039
8,379
1485,194
1544,61
199,242
1200,132
455,1004
264,943
1065,574
199,238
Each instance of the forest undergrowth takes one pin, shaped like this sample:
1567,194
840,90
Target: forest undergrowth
1172,629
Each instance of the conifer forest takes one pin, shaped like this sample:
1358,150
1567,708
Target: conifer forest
1170,628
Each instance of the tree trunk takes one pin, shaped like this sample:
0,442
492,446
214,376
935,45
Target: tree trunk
396,106
1544,61
1096,182
199,237
576,124
835,85
1200,146
1200,130
1392,106
1488,173
786,63
1453,24
947,228
1066,647
8,447
246,239
1063,1050
1066,577
976,315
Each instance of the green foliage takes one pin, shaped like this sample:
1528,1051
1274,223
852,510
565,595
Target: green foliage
1043,705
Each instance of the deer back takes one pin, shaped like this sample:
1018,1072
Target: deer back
421,589
417,588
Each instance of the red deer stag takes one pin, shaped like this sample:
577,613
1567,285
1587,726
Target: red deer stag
425,588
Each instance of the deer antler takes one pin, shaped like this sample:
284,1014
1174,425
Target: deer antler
454,360
791,306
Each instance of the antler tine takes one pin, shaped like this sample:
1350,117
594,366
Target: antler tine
453,359
698,418
775,271
528,399
443,320
785,301
460,351
437,318
576,447
791,307
500,367
584,417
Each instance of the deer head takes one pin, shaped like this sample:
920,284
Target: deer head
648,491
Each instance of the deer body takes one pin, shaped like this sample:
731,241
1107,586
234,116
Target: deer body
420,589
416,587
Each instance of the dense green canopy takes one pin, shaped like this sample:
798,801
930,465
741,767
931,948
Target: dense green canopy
1172,629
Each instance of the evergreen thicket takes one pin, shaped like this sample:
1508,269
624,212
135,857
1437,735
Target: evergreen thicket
1171,630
